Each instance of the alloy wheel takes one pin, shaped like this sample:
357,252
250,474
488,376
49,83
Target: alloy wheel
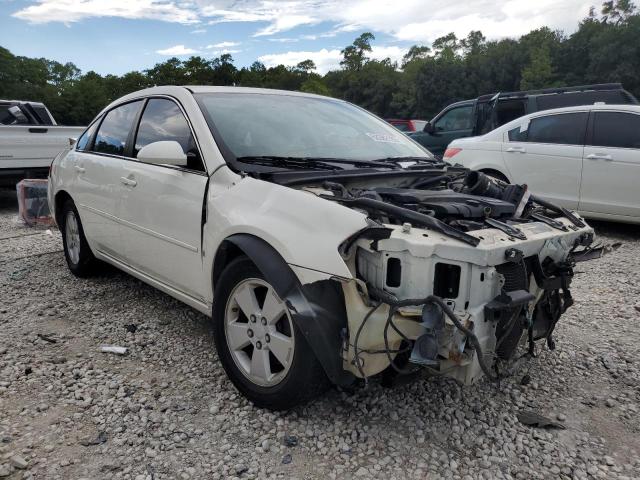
259,332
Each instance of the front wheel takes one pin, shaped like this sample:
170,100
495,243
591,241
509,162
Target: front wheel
266,357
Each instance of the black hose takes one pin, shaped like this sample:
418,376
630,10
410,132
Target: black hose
356,352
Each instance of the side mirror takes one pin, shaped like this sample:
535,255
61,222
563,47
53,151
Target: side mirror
166,152
429,128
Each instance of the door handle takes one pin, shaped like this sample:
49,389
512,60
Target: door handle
128,181
599,156
516,150
79,169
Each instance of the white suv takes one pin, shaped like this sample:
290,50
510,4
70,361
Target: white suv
326,246
583,158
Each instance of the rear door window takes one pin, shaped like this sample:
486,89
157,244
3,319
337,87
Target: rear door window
163,120
616,129
114,129
564,129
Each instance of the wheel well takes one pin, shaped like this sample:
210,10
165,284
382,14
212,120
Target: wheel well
495,174
60,199
227,252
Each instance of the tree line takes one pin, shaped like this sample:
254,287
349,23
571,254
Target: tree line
605,48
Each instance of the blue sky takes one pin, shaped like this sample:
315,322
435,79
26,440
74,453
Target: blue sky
117,36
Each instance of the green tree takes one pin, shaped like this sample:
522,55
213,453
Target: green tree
354,55
617,11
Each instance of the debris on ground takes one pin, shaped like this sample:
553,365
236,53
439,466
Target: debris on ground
290,440
47,338
113,349
100,439
534,419
131,327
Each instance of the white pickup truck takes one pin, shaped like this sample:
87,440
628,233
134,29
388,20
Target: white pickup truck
30,138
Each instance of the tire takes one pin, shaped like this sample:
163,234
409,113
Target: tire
245,344
77,252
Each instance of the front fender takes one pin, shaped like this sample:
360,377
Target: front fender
303,228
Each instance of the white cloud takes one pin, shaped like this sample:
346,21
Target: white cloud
199,30
326,60
410,20
67,11
285,22
224,45
284,40
394,53
223,51
177,51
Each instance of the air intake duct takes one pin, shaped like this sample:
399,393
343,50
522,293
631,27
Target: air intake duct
478,183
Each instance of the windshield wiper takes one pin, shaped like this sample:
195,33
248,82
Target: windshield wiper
398,160
306,162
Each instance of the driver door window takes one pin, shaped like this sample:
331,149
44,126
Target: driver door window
163,120
458,118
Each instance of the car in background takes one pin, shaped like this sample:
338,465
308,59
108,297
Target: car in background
483,114
583,158
407,125
29,140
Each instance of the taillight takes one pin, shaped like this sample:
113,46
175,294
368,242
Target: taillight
451,152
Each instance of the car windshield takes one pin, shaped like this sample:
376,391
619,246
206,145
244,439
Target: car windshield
267,125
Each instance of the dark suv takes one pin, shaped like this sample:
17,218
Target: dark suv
481,115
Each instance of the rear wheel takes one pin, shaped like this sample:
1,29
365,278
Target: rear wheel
77,252
266,357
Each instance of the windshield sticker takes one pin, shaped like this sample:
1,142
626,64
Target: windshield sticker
383,137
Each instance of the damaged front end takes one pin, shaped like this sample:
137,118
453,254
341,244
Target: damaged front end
460,275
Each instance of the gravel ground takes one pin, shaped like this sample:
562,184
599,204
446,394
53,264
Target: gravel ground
166,410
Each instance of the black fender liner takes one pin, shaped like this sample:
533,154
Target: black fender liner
317,308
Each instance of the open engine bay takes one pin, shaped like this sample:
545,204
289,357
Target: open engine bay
457,273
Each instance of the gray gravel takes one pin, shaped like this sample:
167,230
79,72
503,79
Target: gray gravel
166,410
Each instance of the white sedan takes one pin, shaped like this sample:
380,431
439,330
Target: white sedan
584,158
326,246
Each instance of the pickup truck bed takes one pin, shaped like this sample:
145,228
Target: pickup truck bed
30,143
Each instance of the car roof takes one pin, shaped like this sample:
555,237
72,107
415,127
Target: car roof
169,89
181,90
